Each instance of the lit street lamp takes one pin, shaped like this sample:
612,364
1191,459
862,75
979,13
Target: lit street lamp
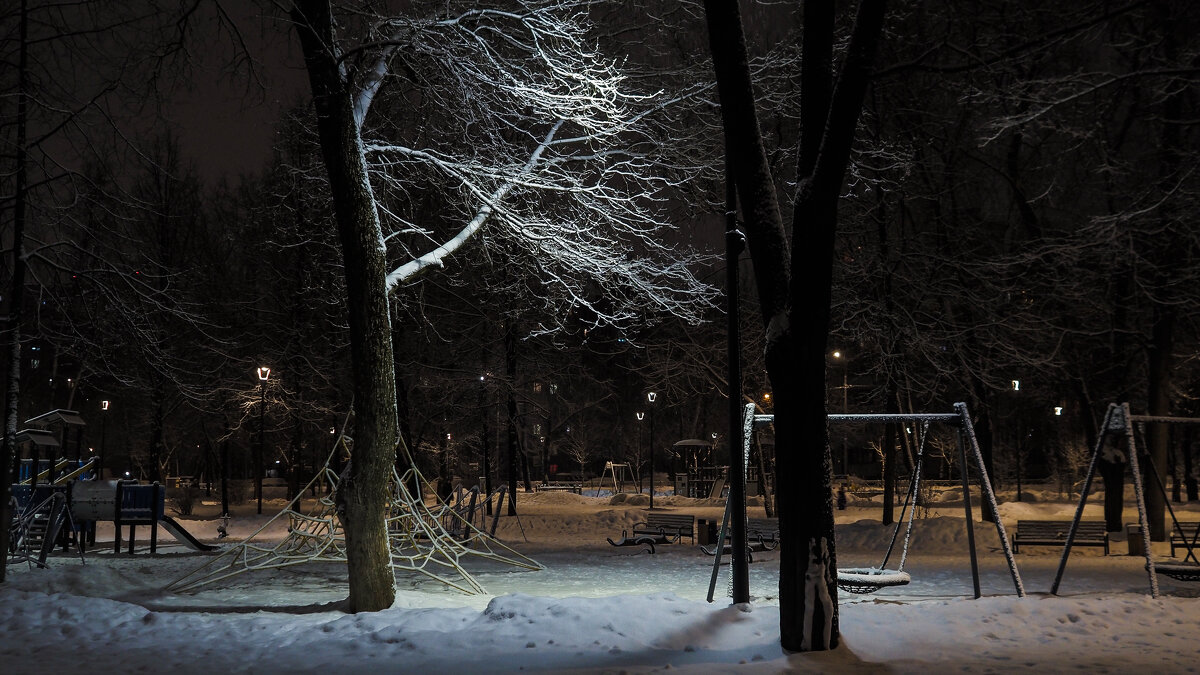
640,416
103,428
650,396
264,373
845,409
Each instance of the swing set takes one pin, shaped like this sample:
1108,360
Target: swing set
864,580
1119,422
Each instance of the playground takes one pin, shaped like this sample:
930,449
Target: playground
596,608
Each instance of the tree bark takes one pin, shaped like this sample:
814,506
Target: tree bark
510,371
794,287
1158,378
16,296
365,485
889,459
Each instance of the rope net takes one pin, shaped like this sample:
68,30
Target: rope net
431,540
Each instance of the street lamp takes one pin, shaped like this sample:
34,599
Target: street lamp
103,428
837,354
650,397
264,373
640,416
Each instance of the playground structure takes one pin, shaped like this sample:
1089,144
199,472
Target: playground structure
870,579
432,540
1120,424
57,501
619,473
39,524
695,474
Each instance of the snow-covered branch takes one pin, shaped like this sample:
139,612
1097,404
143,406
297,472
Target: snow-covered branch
506,127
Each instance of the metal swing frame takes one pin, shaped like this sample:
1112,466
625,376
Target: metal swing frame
1119,420
863,578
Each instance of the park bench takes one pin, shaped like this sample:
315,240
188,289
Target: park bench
1054,533
659,528
558,486
1188,538
763,532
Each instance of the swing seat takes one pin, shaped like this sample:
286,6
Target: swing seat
1178,571
864,580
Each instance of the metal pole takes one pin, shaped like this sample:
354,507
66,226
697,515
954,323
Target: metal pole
736,506
1140,494
258,472
651,455
966,484
103,429
1105,426
845,410
985,488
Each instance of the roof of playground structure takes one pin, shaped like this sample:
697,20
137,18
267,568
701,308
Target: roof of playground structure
69,418
599,608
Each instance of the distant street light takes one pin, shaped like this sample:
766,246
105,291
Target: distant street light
264,373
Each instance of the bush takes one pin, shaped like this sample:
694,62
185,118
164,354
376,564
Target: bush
185,500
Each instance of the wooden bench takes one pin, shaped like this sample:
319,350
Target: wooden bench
1054,533
659,528
1188,538
559,487
669,527
763,532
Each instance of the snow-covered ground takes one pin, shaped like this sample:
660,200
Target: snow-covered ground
596,608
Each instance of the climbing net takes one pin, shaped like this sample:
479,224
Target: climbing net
432,540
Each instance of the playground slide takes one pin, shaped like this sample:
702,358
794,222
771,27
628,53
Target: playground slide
183,535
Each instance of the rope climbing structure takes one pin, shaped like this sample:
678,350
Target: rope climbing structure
432,540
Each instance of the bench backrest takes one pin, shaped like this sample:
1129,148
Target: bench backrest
1030,529
671,521
763,524
1189,528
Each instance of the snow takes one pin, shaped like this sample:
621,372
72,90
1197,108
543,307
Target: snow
597,608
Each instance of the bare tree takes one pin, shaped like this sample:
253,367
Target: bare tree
537,144
796,307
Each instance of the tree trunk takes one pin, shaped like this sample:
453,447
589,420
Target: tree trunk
794,287
365,486
1159,395
510,370
294,457
1189,476
444,487
889,460
16,296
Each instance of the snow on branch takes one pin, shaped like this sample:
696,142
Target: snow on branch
508,129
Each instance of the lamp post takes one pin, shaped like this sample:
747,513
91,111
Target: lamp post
552,389
837,354
264,373
103,427
640,416
650,397
1016,387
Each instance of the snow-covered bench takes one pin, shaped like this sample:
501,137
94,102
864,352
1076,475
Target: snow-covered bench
1054,533
659,528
